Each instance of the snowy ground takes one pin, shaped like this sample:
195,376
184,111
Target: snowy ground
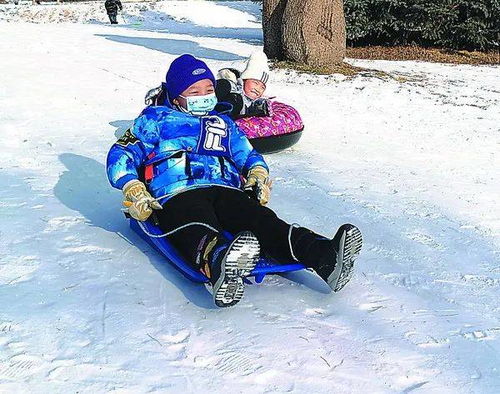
411,158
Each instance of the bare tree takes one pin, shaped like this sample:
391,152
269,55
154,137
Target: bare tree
305,31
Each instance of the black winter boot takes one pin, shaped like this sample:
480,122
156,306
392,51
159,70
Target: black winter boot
336,265
227,264
333,260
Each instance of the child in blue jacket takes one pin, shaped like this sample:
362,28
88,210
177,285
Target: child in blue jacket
197,170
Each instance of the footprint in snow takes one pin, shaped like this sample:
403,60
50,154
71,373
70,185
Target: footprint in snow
20,366
370,307
425,240
18,270
236,362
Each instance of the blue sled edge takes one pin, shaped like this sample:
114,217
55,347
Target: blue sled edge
162,245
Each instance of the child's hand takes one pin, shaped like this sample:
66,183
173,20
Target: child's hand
259,183
138,201
259,107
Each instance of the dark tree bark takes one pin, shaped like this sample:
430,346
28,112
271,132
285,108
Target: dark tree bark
305,31
272,21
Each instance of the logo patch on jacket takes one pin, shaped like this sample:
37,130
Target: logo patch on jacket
214,137
127,139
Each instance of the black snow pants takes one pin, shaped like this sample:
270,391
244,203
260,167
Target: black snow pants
112,18
230,210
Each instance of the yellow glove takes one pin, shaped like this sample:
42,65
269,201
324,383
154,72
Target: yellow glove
139,202
258,182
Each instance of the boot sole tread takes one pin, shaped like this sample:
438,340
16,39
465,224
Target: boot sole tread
239,262
353,242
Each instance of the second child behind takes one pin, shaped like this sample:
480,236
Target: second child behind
245,90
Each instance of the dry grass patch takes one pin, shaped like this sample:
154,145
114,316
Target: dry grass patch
433,55
344,68
424,54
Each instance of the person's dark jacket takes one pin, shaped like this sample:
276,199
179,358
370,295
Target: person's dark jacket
227,91
112,6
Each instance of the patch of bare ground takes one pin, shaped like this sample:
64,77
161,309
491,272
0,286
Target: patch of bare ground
435,55
392,53
343,68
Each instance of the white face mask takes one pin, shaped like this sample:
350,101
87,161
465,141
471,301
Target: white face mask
199,105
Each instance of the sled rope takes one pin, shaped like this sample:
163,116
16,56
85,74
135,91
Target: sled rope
292,226
143,228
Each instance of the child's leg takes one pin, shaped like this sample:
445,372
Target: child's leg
224,263
332,259
194,209
238,212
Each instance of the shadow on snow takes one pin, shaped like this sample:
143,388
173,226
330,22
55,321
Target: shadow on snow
84,188
173,46
121,126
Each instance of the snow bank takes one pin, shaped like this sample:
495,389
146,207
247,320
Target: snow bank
201,13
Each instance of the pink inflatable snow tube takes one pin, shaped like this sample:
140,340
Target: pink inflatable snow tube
273,133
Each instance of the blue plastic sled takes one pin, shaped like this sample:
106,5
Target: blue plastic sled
264,266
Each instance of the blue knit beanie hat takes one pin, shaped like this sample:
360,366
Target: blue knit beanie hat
183,72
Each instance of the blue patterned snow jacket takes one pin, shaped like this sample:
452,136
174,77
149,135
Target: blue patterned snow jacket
182,152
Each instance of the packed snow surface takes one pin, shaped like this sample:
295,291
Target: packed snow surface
408,151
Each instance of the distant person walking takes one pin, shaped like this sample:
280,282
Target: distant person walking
112,7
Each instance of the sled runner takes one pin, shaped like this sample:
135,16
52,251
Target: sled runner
264,267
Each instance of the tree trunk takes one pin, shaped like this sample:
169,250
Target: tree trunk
272,21
313,32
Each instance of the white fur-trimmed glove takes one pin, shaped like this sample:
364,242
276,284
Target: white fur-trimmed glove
258,182
138,201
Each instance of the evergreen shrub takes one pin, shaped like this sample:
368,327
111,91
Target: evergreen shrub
454,24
